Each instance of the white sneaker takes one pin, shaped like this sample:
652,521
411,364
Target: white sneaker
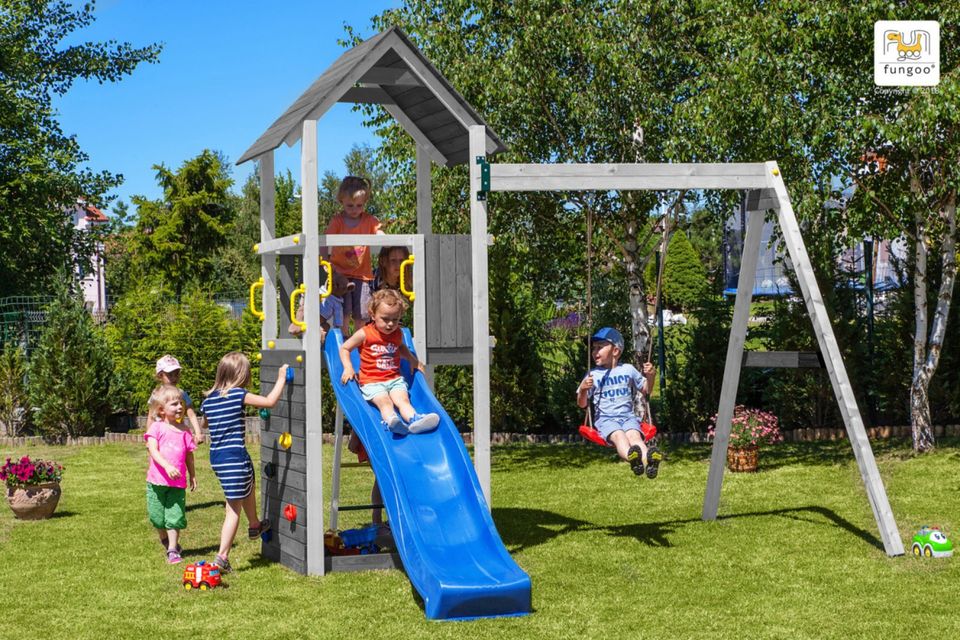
421,423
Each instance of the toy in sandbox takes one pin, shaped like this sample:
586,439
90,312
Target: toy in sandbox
930,542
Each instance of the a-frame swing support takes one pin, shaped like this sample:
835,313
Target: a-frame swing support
766,191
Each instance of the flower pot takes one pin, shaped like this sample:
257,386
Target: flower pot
742,459
34,501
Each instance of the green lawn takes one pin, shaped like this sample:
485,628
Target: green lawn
795,555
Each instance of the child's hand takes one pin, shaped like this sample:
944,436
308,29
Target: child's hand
294,329
348,375
193,483
172,472
282,372
586,384
421,367
198,437
647,368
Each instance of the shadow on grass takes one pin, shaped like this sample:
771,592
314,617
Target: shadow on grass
63,514
521,529
201,551
205,505
530,455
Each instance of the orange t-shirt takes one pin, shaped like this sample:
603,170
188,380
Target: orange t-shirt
379,355
353,262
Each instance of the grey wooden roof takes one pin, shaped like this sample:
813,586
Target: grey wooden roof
388,70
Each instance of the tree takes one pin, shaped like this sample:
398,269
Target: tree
70,371
684,278
178,237
40,166
14,401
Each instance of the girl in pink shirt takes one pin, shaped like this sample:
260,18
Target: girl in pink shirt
171,449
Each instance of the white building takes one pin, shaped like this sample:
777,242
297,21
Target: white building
84,216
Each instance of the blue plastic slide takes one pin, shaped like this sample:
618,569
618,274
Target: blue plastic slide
441,525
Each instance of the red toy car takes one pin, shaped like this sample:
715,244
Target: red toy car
201,576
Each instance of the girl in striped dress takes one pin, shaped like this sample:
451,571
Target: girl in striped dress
223,413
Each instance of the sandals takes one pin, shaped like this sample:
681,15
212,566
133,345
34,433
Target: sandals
255,532
635,458
173,557
223,563
654,456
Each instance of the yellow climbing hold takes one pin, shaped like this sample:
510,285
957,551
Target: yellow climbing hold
285,440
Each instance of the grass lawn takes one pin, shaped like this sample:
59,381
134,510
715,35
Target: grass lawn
795,554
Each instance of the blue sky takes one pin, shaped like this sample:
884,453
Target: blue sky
227,71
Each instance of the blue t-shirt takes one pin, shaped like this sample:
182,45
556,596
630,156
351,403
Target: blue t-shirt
225,416
616,388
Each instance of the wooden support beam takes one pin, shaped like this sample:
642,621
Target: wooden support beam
627,177
782,360
366,95
390,76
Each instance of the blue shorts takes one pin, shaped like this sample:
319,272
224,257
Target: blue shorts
607,426
374,389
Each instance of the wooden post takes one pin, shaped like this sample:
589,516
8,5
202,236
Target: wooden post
312,365
268,262
731,371
481,328
833,361
424,227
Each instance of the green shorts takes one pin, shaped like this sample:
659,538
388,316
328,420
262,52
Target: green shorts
167,506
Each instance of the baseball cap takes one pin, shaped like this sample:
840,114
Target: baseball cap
167,364
609,334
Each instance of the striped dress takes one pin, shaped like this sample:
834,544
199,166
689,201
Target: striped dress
228,454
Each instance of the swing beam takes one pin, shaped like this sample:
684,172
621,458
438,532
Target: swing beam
765,191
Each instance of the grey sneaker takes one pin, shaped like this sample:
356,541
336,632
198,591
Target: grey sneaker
653,462
421,423
635,458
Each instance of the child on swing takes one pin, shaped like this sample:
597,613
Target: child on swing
610,386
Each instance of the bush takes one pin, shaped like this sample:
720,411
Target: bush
147,323
14,401
70,371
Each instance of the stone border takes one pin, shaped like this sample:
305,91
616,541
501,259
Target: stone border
253,436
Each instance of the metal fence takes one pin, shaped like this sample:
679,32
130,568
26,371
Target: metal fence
22,318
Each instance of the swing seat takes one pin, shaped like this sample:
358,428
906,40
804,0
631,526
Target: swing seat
590,434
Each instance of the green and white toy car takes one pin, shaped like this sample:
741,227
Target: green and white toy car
931,543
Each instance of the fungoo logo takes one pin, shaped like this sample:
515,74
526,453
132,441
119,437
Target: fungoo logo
906,53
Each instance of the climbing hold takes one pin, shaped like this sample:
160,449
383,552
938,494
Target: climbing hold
265,413
296,239
776,171
258,356
290,512
299,358
256,248
285,440
271,344
269,469
290,375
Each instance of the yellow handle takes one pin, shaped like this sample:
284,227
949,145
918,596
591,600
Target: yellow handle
403,281
253,307
299,291
324,263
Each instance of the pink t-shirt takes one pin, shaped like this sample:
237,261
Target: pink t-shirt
174,445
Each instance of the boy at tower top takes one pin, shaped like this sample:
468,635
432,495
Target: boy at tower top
354,262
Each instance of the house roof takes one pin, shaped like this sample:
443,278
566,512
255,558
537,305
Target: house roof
388,70
94,214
